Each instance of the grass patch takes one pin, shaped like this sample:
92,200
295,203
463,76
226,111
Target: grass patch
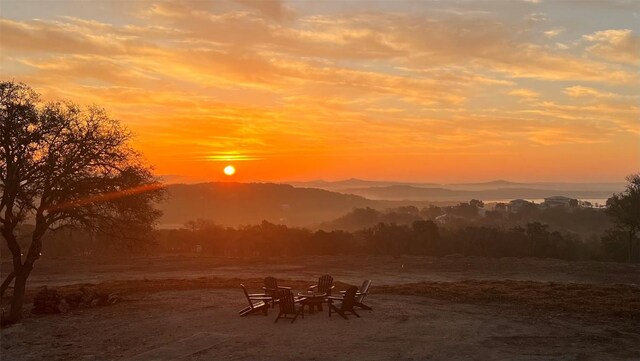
604,300
130,287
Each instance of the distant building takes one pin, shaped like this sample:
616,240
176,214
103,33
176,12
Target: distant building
515,205
560,201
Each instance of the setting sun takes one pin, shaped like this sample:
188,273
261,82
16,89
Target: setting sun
229,170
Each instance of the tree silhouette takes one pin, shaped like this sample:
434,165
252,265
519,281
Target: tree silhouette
425,237
624,208
64,166
476,203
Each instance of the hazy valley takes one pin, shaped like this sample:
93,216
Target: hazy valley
311,203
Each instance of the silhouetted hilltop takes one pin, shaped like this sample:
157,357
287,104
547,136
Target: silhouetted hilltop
243,203
232,204
406,192
557,186
499,182
354,183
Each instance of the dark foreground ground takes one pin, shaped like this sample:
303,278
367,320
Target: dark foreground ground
184,308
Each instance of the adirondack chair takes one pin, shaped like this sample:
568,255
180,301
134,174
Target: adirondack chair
271,288
348,301
361,294
287,304
257,302
325,285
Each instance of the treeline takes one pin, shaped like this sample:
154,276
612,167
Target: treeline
399,231
572,233
584,221
423,237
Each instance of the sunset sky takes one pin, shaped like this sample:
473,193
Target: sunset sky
434,91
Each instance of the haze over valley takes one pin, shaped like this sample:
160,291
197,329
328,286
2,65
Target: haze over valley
312,203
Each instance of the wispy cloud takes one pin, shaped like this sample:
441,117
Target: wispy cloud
272,80
615,45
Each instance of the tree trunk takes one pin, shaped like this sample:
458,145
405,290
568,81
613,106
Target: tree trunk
7,230
8,233
6,283
19,287
22,274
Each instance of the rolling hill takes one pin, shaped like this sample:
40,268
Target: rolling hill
233,204
243,203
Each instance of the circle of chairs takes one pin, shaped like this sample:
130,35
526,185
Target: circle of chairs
291,306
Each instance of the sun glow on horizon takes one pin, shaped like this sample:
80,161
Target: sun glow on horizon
229,170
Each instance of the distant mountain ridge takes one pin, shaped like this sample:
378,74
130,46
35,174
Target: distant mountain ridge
230,203
405,192
498,182
233,204
354,183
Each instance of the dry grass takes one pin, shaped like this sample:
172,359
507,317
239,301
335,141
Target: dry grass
603,300
587,299
131,287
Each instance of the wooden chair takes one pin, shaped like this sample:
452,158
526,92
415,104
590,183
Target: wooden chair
271,288
348,301
287,304
361,294
325,285
257,302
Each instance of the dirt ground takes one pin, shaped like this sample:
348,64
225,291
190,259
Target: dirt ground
170,322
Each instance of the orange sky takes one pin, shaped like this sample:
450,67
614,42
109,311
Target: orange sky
297,90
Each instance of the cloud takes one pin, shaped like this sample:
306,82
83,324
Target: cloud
536,17
615,45
552,33
524,93
266,79
581,91
272,8
40,36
